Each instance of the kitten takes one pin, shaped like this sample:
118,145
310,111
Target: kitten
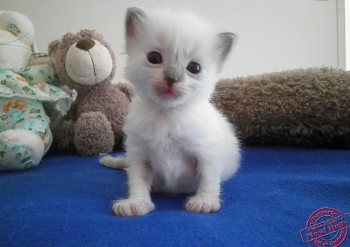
177,142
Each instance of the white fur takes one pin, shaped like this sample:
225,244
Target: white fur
21,26
14,54
16,39
112,162
176,144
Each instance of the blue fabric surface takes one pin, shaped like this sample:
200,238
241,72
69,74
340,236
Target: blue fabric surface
66,201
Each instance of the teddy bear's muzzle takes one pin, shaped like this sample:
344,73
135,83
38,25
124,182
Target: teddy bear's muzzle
88,62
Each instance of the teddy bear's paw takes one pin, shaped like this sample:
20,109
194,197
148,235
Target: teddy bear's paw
93,134
132,207
20,149
200,204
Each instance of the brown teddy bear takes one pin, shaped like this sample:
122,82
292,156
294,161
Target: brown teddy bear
85,63
302,107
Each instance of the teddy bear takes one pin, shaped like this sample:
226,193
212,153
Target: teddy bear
85,64
25,135
300,107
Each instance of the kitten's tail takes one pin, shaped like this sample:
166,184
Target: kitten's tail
113,162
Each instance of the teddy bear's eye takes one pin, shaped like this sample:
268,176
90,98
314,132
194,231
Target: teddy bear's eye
154,57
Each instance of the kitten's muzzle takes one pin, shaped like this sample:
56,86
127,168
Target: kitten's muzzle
173,75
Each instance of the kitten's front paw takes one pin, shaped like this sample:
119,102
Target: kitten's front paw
200,204
132,207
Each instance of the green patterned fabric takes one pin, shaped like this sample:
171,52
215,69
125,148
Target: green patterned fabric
34,82
19,113
36,74
15,157
21,98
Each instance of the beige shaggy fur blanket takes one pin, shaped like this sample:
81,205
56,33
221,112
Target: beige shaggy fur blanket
303,107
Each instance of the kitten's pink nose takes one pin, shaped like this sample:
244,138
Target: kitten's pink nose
170,81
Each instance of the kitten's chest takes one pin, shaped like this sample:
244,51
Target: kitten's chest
173,167
165,139
163,135
159,130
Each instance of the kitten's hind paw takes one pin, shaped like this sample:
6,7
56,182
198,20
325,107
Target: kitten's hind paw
200,204
113,162
132,207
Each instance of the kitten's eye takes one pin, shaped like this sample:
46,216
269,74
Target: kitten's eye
154,57
194,67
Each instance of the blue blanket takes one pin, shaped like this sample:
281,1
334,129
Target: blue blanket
66,201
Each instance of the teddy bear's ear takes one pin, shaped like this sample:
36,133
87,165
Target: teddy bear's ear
68,39
87,33
53,47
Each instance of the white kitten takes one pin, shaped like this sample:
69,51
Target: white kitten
177,142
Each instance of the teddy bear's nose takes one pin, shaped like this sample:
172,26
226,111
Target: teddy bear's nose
85,44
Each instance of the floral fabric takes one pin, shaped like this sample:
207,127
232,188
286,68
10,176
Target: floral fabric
19,113
34,82
21,98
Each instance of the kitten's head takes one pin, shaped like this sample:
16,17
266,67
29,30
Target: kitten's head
174,57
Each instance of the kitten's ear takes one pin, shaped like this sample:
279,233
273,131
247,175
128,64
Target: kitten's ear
225,42
134,18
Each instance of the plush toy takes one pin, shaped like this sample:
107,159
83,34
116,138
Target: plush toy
303,107
25,135
84,62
